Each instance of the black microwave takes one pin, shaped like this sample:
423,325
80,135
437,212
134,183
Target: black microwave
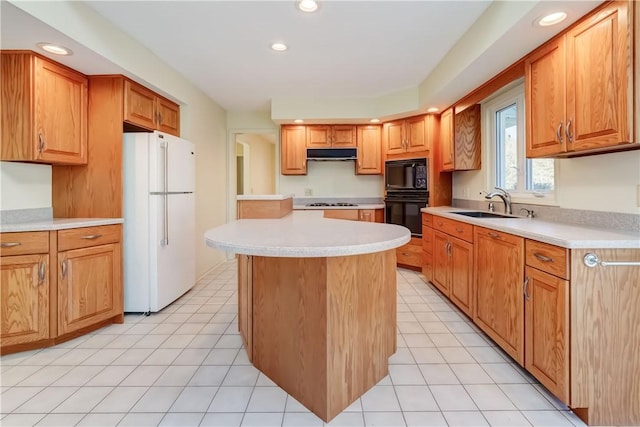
406,175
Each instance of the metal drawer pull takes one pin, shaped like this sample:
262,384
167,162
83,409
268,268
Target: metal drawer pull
9,244
524,288
41,273
459,230
493,235
405,253
542,257
91,236
592,260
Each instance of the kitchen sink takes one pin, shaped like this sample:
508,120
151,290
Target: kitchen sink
480,214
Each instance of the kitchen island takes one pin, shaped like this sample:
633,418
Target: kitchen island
316,302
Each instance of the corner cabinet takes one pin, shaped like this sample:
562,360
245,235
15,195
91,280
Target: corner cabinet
24,297
145,108
369,150
579,87
44,110
293,150
460,139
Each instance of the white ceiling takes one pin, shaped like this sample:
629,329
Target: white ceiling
348,49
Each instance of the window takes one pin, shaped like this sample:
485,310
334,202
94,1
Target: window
505,133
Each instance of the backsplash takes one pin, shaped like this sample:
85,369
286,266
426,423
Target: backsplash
25,215
611,220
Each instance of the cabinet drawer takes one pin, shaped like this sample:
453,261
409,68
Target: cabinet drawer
24,243
427,239
548,258
410,254
427,219
458,229
84,237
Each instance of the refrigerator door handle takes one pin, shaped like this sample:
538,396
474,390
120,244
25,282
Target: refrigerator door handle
165,232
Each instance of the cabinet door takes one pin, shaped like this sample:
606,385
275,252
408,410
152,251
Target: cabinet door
24,298
545,100
343,136
367,215
293,151
139,105
168,116
89,286
499,302
446,140
393,137
245,302
467,139
60,102
599,71
348,214
369,150
441,269
547,330
461,264
416,135
318,136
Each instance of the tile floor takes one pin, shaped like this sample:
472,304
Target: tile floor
185,366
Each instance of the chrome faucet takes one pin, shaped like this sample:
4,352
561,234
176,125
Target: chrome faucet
504,195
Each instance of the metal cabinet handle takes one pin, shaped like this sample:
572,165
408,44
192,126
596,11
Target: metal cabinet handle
159,118
459,230
525,284
405,253
448,248
493,235
165,230
542,257
40,142
63,266
41,272
559,132
9,244
567,131
91,236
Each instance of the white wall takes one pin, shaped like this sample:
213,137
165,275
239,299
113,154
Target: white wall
202,121
332,179
24,186
605,182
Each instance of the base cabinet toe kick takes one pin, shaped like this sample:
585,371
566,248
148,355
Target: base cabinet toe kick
323,329
569,320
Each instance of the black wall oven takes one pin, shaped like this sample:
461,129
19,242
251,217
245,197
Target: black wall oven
406,188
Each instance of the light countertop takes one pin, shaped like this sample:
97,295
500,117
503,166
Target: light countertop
264,196
305,234
57,224
555,233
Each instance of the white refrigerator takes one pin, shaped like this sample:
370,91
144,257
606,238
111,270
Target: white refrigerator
159,220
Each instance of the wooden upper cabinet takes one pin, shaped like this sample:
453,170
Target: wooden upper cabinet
337,136
293,150
146,109
405,136
446,140
369,150
44,110
467,139
579,87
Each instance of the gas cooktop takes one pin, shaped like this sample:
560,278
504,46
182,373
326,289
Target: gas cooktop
330,204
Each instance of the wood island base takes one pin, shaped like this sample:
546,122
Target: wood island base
321,328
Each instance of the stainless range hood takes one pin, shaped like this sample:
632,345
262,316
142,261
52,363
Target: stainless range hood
326,154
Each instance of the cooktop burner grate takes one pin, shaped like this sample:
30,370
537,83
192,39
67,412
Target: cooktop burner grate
330,204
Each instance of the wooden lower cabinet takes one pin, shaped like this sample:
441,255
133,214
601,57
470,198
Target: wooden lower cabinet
411,254
366,215
24,299
547,330
89,286
499,302
453,269
245,302
441,262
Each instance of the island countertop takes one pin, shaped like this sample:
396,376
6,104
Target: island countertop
306,234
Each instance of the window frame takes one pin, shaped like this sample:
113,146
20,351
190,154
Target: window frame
512,94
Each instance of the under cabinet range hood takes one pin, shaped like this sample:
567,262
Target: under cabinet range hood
325,154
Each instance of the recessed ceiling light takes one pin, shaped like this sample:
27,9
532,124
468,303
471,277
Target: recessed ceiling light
298,121
551,19
375,120
433,110
54,48
279,47
308,5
